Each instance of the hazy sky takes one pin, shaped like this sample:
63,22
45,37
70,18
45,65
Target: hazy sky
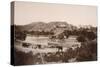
28,12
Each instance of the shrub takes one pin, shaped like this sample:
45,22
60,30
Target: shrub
81,38
88,51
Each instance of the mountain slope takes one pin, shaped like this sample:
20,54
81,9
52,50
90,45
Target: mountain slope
38,26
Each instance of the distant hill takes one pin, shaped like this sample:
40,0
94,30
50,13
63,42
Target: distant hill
41,26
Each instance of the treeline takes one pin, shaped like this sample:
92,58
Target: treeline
42,32
83,34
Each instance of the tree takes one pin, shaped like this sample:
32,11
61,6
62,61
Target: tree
91,35
66,33
81,38
61,36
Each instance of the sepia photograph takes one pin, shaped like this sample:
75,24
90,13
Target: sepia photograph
50,33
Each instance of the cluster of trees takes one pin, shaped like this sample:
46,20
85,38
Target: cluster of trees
41,32
87,34
83,34
19,34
